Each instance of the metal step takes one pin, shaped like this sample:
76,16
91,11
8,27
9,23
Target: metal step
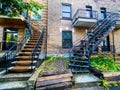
79,61
81,66
79,71
78,57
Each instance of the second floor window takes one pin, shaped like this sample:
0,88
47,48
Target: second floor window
37,17
103,12
89,10
66,11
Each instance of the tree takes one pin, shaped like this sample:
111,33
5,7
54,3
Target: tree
16,7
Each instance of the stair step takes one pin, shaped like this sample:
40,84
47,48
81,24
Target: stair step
77,57
79,61
29,46
23,63
81,66
20,69
23,57
79,71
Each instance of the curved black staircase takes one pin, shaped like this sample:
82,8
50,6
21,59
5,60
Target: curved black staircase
81,52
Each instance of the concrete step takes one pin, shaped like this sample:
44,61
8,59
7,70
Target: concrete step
14,77
85,80
13,85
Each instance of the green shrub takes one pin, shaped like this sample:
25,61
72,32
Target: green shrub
104,63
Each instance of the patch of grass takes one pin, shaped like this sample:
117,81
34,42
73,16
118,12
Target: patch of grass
104,63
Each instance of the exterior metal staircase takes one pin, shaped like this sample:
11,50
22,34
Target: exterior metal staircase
81,52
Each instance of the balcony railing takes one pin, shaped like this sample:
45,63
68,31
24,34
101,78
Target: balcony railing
81,13
85,18
117,19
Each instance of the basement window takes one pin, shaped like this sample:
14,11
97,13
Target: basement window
67,39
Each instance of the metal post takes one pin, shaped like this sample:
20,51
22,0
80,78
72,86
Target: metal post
113,45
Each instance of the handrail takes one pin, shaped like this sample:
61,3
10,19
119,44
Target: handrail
37,49
96,28
10,54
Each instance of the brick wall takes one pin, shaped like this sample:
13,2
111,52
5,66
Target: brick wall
56,24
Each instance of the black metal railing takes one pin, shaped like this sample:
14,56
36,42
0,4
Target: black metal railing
82,13
35,54
10,54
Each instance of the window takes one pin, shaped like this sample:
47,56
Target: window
66,39
37,17
103,12
89,11
66,11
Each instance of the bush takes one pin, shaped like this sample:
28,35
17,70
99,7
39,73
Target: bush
104,63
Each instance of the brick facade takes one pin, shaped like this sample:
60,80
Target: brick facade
56,24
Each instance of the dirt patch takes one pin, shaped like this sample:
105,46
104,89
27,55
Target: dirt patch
55,67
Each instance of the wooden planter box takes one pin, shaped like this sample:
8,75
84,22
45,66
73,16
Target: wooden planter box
111,77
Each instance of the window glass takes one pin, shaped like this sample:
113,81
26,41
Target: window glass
89,11
103,13
66,39
37,17
66,11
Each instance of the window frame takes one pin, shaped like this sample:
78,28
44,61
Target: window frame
36,16
103,11
89,9
68,12
71,40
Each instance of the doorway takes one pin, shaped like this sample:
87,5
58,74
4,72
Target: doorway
10,38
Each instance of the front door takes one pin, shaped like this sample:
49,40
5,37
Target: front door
10,38
106,45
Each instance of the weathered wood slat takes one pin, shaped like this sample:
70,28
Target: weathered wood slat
59,86
52,81
113,78
109,74
54,77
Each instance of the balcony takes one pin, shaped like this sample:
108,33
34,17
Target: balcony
83,18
